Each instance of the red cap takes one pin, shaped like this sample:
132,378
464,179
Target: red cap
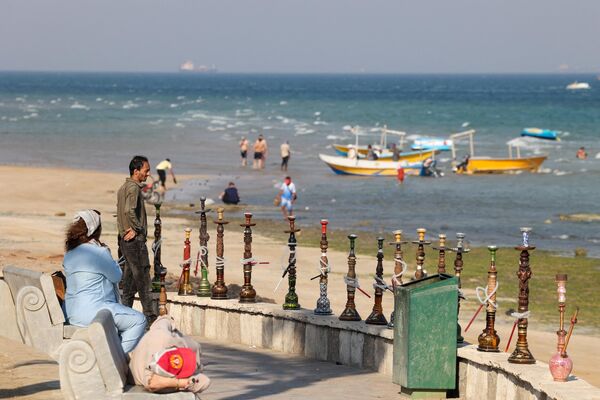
175,362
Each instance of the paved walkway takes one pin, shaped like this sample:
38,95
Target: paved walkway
237,372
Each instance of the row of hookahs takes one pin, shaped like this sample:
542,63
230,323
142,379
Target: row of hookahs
489,341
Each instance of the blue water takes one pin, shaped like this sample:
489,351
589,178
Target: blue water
99,121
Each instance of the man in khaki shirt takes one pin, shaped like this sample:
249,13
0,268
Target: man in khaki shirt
133,227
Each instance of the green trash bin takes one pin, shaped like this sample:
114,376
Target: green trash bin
425,335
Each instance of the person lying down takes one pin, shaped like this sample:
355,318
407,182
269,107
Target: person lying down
166,361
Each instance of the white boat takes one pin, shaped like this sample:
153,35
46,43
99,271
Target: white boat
578,86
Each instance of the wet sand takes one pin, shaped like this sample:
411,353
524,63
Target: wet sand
38,203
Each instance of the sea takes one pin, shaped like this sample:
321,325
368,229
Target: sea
98,121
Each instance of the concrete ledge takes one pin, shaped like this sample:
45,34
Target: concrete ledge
491,376
262,325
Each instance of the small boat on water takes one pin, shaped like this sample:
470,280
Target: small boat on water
385,154
348,166
547,134
489,165
578,86
432,143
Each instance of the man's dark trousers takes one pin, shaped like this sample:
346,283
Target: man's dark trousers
136,275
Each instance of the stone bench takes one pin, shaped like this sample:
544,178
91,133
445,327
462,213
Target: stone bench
31,302
92,365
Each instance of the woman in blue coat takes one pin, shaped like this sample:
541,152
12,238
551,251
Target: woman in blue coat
92,280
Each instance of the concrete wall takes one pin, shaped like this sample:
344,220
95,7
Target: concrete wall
326,338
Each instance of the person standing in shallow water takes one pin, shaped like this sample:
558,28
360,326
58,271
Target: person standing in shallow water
288,195
132,224
260,152
285,155
244,151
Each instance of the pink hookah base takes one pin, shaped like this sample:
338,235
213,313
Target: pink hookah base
560,367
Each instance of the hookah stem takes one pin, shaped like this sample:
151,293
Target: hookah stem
474,316
573,322
512,332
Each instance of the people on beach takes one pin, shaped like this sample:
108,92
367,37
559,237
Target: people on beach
288,196
260,152
581,153
132,224
92,280
285,155
244,151
165,360
161,170
230,194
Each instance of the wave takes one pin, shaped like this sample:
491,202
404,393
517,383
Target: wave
79,106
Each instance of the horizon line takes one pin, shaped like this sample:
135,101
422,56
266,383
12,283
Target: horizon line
184,73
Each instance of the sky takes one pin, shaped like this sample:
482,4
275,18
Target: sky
306,36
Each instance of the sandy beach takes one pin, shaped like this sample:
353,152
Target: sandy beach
38,204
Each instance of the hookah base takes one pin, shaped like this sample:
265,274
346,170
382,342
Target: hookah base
376,319
219,295
204,293
291,306
488,349
186,291
521,356
350,314
390,324
319,311
247,299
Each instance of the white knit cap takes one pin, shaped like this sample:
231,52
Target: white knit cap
91,219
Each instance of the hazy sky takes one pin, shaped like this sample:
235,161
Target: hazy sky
301,36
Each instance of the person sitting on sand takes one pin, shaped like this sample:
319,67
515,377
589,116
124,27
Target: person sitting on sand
230,195
166,361
92,280
581,153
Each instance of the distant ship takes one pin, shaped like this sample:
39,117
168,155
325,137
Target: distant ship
189,66
578,85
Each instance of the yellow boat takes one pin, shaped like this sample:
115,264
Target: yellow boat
348,166
385,154
481,165
489,165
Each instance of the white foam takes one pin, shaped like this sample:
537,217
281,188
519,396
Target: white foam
78,106
173,105
99,99
158,121
179,125
465,124
320,123
130,105
180,97
597,155
317,113
218,122
283,103
347,128
247,112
